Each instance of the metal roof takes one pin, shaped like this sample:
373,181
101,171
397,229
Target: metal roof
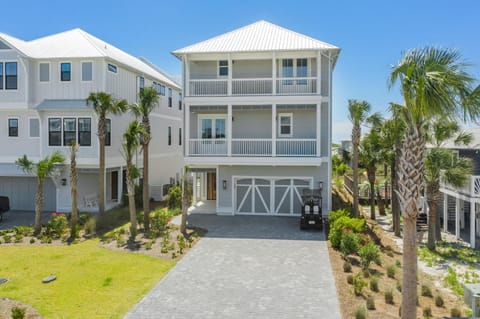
77,43
257,37
66,105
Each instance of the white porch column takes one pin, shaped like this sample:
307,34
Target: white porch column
319,72
230,70
229,130
472,223
457,218
187,129
274,129
274,73
445,212
318,128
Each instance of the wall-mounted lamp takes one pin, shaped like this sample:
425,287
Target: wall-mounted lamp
64,181
320,186
224,184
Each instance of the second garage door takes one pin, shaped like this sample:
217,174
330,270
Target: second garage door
267,195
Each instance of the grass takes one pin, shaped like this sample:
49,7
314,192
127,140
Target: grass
92,282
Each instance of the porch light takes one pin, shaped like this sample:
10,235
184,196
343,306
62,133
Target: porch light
224,184
320,186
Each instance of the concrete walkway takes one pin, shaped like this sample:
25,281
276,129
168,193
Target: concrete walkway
247,267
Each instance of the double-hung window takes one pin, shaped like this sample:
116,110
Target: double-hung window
180,136
84,131
65,72
285,124
169,135
11,76
54,131
287,71
69,131
179,101
223,68
170,97
13,127
141,84
302,71
299,71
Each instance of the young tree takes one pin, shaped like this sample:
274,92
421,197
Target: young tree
43,169
103,104
73,188
185,200
358,112
148,99
131,142
433,83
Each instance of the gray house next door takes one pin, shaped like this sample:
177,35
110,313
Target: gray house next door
22,190
269,195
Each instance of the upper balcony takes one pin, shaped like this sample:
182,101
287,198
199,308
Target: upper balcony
257,77
471,188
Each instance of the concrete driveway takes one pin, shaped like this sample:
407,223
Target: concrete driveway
21,218
247,267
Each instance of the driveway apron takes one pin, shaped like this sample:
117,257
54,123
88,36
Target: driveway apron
247,267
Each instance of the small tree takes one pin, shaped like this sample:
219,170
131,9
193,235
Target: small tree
185,200
43,169
73,188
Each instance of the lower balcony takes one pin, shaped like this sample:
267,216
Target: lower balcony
261,147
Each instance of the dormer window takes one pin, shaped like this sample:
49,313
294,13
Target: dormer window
223,68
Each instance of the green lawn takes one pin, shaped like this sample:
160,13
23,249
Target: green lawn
92,282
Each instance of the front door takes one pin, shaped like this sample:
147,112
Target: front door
114,185
211,186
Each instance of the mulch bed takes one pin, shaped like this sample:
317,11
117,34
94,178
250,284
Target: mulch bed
6,306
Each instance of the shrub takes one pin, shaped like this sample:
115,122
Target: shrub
148,245
361,313
427,312
32,240
426,291
18,238
159,220
347,267
7,239
340,225
83,218
439,301
348,244
368,253
370,303
18,313
455,312
374,284
182,244
391,270
333,216
175,197
399,286
57,226
90,226
350,279
389,296
358,284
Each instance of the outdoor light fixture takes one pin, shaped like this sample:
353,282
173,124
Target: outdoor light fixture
320,186
64,181
224,184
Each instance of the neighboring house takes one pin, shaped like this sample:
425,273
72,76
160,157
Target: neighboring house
44,84
460,207
258,108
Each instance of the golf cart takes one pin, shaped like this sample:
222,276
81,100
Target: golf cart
4,206
311,209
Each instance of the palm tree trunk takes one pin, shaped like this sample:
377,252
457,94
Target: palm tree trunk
410,180
131,200
395,203
355,142
438,228
371,180
433,196
38,207
73,190
101,169
183,224
146,195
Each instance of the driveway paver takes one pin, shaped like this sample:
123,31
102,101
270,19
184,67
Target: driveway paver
247,267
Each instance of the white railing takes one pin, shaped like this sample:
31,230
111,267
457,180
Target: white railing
296,86
208,147
252,86
471,188
251,147
296,147
208,87
475,186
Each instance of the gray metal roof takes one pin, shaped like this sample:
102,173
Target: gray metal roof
63,105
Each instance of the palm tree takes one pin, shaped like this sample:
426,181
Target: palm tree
185,200
73,188
103,104
433,83
441,164
131,142
148,99
43,169
358,111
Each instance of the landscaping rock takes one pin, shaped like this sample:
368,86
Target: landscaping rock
48,279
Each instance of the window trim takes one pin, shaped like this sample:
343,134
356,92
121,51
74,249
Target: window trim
60,71
76,117
39,127
8,126
81,71
78,131
279,128
49,72
5,75
61,131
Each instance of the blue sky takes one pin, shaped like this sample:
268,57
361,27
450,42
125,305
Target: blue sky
372,34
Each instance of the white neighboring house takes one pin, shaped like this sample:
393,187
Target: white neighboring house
44,84
258,105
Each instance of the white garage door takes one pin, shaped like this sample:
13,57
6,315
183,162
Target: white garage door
22,191
267,195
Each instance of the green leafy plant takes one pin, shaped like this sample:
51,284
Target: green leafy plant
358,284
7,239
175,197
149,244
340,225
18,238
370,303
348,244
32,240
182,244
57,226
368,253
18,313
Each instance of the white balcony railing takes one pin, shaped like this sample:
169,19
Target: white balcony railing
471,188
254,86
256,147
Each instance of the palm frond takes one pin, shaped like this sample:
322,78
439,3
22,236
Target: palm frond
26,164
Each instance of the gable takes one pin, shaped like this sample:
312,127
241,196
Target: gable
4,46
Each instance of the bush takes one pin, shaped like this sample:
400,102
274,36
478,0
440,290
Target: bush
90,226
370,303
389,297
18,238
148,245
374,284
361,313
350,279
348,244
57,226
333,216
427,312
32,240
182,244
455,312
7,239
391,270
18,313
347,267
159,219
175,197
340,225
358,284
426,291
439,301
368,253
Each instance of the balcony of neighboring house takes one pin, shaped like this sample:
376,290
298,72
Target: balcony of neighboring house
470,189
257,77
255,131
